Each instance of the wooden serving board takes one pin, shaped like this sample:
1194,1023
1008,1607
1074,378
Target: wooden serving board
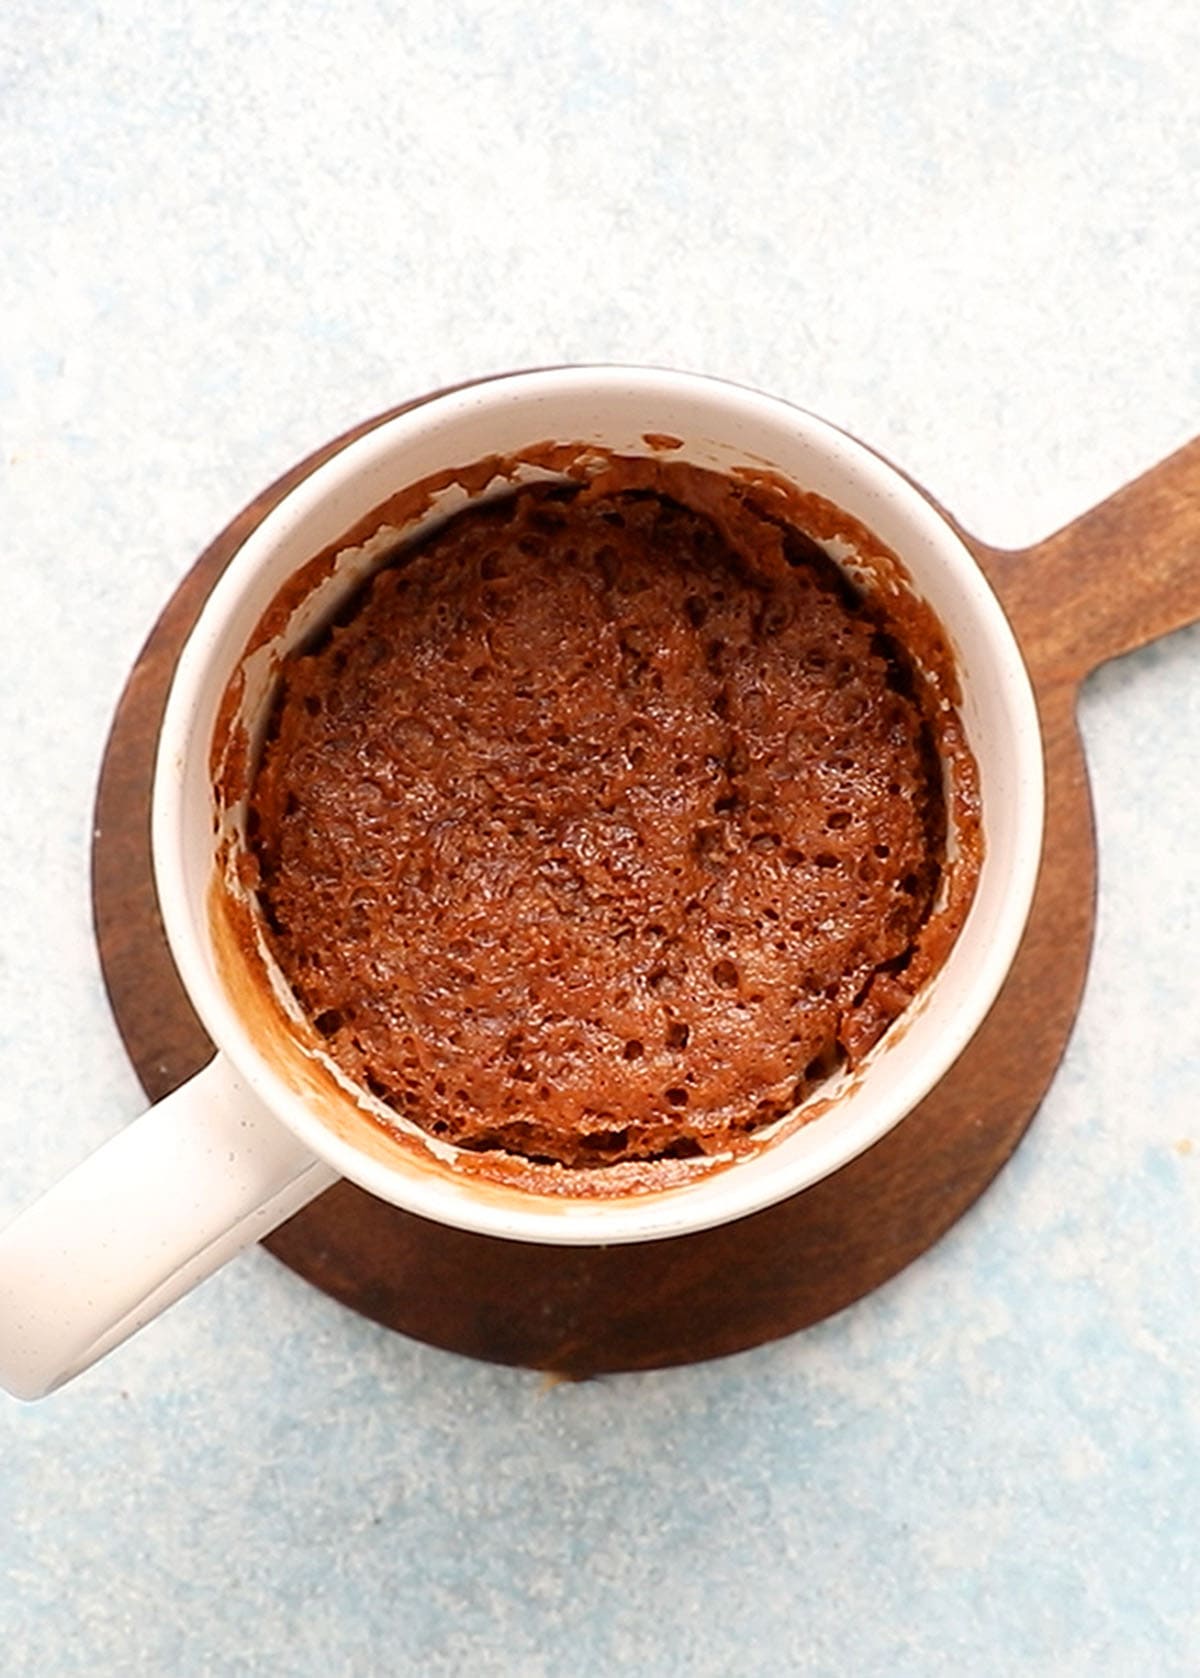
1115,579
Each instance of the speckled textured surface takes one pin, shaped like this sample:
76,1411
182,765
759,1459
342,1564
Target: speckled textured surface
972,237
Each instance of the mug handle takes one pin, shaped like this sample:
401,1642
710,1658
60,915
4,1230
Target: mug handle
151,1213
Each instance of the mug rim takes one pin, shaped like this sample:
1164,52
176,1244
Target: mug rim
473,1203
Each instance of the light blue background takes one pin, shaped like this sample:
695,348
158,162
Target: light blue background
969,233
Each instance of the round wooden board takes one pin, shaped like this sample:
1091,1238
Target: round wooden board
1118,577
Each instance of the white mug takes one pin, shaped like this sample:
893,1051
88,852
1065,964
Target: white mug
252,1138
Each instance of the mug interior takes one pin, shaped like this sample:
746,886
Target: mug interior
626,411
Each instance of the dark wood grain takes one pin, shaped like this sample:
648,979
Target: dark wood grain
1114,580
1126,572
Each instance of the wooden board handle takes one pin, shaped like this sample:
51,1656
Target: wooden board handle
1120,576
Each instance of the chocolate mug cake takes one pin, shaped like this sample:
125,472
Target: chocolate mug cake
610,818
